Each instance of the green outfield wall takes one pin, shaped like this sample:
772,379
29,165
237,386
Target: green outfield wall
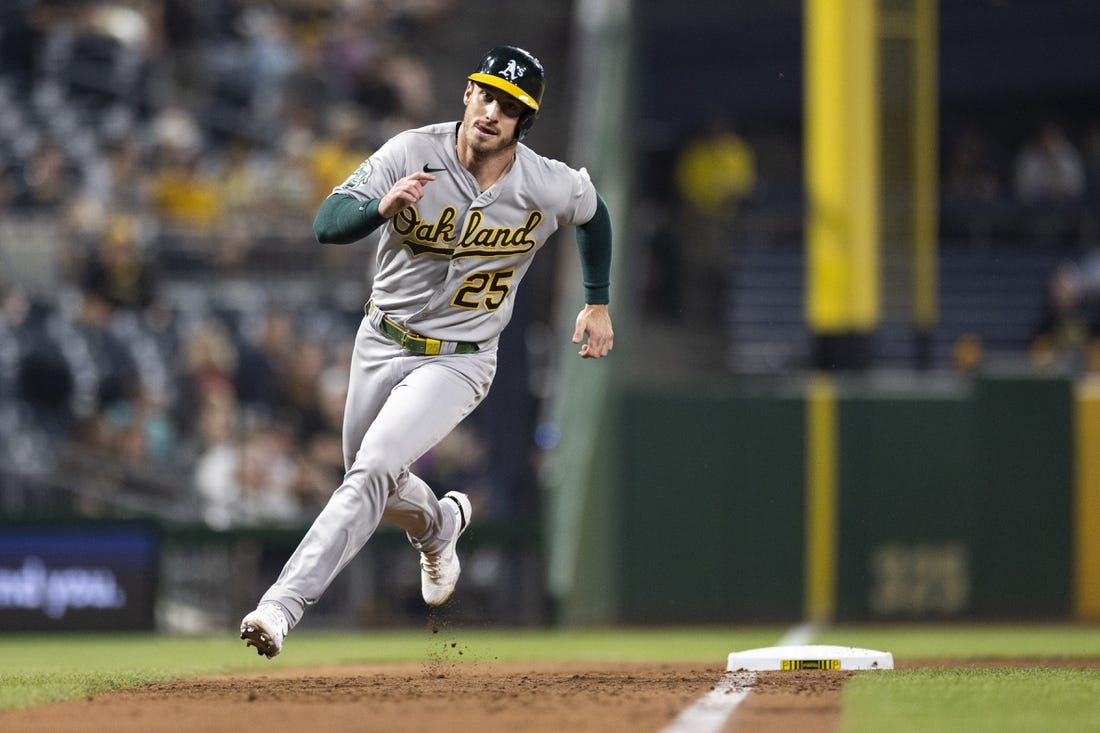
859,499
711,514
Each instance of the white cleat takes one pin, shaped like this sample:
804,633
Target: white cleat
265,628
439,572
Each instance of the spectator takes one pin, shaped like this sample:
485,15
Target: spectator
321,459
411,83
13,311
303,377
972,191
139,432
36,386
1049,179
1049,169
115,188
247,481
209,361
310,85
341,148
180,26
716,171
967,353
290,186
99,355
21,36
44,381
185,197
1067,323
216,427
237,180
47,179
240,181
259,376
118,271
714,174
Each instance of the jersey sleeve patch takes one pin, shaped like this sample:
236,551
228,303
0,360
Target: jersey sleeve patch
360,176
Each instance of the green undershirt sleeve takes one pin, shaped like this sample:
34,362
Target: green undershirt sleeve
343,219
594,243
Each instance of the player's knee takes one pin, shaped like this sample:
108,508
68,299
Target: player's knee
378,466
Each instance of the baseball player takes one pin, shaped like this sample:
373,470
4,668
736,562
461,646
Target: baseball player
463,207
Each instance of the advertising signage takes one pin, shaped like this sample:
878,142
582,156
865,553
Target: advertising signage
81,577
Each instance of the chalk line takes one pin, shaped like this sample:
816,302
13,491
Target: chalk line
709,713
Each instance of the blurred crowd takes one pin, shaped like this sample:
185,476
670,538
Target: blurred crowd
1040,191
1028,184
1043,193
160,166
215,120
150,151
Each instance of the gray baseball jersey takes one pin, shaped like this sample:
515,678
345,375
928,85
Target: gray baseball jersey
449,265
447,268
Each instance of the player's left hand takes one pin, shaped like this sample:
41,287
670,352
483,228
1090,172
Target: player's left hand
594,321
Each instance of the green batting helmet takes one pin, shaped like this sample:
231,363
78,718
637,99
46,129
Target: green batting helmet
518,73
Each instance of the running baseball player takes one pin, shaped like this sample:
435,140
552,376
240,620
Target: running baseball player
463,207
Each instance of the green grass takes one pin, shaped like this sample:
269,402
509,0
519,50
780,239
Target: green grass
973,701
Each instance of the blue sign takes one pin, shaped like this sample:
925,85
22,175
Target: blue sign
78,577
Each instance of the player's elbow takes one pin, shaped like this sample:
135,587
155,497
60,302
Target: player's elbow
326,232
323,233
343,219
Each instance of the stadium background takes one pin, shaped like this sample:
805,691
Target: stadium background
172,340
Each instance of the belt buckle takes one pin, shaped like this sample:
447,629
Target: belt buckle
413,343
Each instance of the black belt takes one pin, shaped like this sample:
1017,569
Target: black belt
414,343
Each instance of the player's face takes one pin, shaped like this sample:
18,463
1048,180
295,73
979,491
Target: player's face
489,123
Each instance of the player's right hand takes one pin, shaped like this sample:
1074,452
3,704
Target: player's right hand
406,192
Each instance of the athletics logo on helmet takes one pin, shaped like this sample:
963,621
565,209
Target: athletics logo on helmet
518,73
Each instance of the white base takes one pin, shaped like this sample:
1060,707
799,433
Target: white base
814,656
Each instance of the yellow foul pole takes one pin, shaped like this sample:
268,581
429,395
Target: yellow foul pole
841,166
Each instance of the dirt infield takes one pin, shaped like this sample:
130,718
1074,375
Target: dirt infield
487,698
482,697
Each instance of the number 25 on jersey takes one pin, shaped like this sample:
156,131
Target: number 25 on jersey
483,289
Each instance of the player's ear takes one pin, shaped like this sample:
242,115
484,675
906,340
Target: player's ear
469,91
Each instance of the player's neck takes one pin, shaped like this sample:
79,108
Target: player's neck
489,168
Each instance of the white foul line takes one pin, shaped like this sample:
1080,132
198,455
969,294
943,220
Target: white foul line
799,635
709,713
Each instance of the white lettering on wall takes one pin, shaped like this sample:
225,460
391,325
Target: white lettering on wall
55,591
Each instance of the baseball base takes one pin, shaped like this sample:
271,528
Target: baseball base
814,656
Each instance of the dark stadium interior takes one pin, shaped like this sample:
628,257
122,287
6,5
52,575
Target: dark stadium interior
166,316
